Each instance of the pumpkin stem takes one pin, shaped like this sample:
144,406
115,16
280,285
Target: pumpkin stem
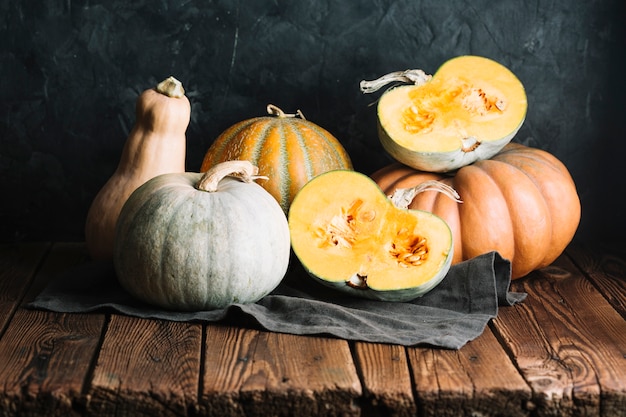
402,197
171,87
276,111
357,281
244,170
415,76
469,144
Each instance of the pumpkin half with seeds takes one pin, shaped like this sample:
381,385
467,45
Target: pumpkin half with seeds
467,111
349,236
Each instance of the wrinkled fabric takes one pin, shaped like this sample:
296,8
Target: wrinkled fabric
453,313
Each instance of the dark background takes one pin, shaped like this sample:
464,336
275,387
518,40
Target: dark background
70,72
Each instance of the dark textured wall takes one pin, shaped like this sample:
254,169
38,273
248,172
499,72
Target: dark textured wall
71,72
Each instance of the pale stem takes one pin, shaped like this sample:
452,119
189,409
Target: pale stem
243,170
276,111
171,87
411,76
402,197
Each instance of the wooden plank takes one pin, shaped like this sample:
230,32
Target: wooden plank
257,373
387,387
568,342
147,368
45,358
478,379
605,266
44,361
18,263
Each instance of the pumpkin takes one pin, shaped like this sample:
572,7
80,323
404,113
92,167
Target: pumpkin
188,241
522,203
350,237
155,145
287,148
467,111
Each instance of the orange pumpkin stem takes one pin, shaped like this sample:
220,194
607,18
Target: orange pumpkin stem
244,170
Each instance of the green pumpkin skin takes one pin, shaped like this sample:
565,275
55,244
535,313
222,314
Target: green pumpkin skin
181,248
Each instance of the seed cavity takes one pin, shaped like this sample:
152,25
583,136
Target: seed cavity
341,230
409,250
476,100
432,100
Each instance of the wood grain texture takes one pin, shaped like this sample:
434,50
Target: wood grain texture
605,266
18,264
147,368
479,379
384,370
562,352
45,358
568,343
256,373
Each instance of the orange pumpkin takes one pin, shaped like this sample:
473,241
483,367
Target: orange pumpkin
287,148
522,203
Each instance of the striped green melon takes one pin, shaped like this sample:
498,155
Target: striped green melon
287,148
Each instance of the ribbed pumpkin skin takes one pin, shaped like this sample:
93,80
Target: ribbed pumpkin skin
180,248
522,203
289,150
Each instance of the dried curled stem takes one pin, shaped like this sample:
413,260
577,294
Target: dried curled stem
244,170
402,197
411,76
276,111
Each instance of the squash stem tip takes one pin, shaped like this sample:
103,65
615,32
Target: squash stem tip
171,87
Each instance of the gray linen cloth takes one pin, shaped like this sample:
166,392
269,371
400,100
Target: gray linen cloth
453,313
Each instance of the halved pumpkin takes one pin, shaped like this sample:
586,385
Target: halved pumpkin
349,236
467,111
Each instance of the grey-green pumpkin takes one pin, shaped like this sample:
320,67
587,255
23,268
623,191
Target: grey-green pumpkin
189,241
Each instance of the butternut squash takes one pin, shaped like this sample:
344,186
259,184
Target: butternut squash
156,145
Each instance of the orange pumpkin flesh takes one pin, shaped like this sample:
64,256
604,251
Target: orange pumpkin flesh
468,111
522,203
288,149
349,236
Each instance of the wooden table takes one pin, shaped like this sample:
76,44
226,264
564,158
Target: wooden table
562,352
